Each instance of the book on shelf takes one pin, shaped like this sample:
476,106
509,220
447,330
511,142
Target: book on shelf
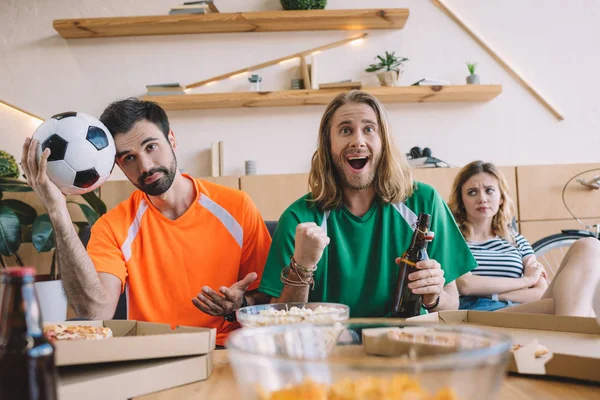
165,93
189,11
431,82
207,5
341,85
165,89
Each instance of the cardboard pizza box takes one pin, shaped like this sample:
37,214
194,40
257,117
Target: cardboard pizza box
573,342
134,340
124,380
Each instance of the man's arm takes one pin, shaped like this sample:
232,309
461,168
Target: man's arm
309,243
91,296
293,294
448,298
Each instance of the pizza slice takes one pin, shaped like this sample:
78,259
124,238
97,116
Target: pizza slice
77,332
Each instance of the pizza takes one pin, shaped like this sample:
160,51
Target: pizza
77,332
540,350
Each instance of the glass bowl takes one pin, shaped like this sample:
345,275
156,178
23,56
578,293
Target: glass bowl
292,313
343,361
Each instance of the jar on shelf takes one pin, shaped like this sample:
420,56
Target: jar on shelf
255,81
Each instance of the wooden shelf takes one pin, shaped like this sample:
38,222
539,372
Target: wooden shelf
267,21
404,94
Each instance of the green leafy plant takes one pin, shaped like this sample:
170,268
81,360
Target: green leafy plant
389,62
471,66
303,4
20,223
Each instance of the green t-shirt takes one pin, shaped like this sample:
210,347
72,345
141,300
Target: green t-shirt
358,266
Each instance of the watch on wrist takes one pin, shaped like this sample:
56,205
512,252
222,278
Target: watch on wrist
231,316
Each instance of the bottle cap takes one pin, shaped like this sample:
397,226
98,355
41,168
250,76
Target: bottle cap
20,272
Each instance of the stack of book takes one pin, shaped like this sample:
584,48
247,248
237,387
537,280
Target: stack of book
431,82
165,89
195,7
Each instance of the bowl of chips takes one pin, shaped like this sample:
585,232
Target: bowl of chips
368,360
292,313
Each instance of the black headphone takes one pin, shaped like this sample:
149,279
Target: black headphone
416,152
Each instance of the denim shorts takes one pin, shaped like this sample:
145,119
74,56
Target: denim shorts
483,303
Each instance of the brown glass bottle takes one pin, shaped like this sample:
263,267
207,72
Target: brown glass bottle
406,303
27,369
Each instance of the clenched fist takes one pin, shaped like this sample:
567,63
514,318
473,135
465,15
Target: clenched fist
310,241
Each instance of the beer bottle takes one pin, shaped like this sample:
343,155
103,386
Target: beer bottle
406,303
27,369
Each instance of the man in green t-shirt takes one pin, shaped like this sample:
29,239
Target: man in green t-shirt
347,234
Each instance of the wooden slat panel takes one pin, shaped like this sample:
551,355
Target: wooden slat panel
114,192
443,178
31,258
229,181
266,21
535,230
540,189
288,98
272,194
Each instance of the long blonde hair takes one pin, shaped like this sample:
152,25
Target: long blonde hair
502,221
393,178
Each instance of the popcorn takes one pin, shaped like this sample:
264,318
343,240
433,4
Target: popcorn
294,315
398,387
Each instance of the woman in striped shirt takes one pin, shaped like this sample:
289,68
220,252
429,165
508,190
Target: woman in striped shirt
508,272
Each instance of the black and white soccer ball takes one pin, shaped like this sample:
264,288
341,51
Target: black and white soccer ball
82,151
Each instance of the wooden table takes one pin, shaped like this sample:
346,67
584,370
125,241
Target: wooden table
221,386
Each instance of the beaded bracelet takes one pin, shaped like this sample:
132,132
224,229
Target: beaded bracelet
286,281
434,305
308,271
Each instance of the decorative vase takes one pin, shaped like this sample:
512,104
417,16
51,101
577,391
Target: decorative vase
388,78
473,79
303,4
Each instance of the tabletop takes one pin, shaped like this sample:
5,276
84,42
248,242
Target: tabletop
221,386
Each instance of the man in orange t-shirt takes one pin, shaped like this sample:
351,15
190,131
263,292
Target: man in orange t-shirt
169,246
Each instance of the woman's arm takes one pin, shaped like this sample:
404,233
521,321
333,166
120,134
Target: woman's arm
526,295
475,285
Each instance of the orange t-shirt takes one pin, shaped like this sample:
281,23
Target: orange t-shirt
163,264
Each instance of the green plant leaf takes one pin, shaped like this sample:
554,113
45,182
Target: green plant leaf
24,211
13,185
13,188
90,215
10,232
42,235
94,201
14,181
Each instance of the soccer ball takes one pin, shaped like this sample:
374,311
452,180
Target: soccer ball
82,151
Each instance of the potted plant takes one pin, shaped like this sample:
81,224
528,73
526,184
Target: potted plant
390,64
303,4
20,223
472,79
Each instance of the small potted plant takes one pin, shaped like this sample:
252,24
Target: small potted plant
303,4
390,64
20,223
472,79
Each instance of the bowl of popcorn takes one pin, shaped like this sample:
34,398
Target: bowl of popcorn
378,360
292,313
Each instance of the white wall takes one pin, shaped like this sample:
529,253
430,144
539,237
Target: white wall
554,43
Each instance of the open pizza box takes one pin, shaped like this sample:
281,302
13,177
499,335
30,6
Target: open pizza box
134,340
140,358
573,343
